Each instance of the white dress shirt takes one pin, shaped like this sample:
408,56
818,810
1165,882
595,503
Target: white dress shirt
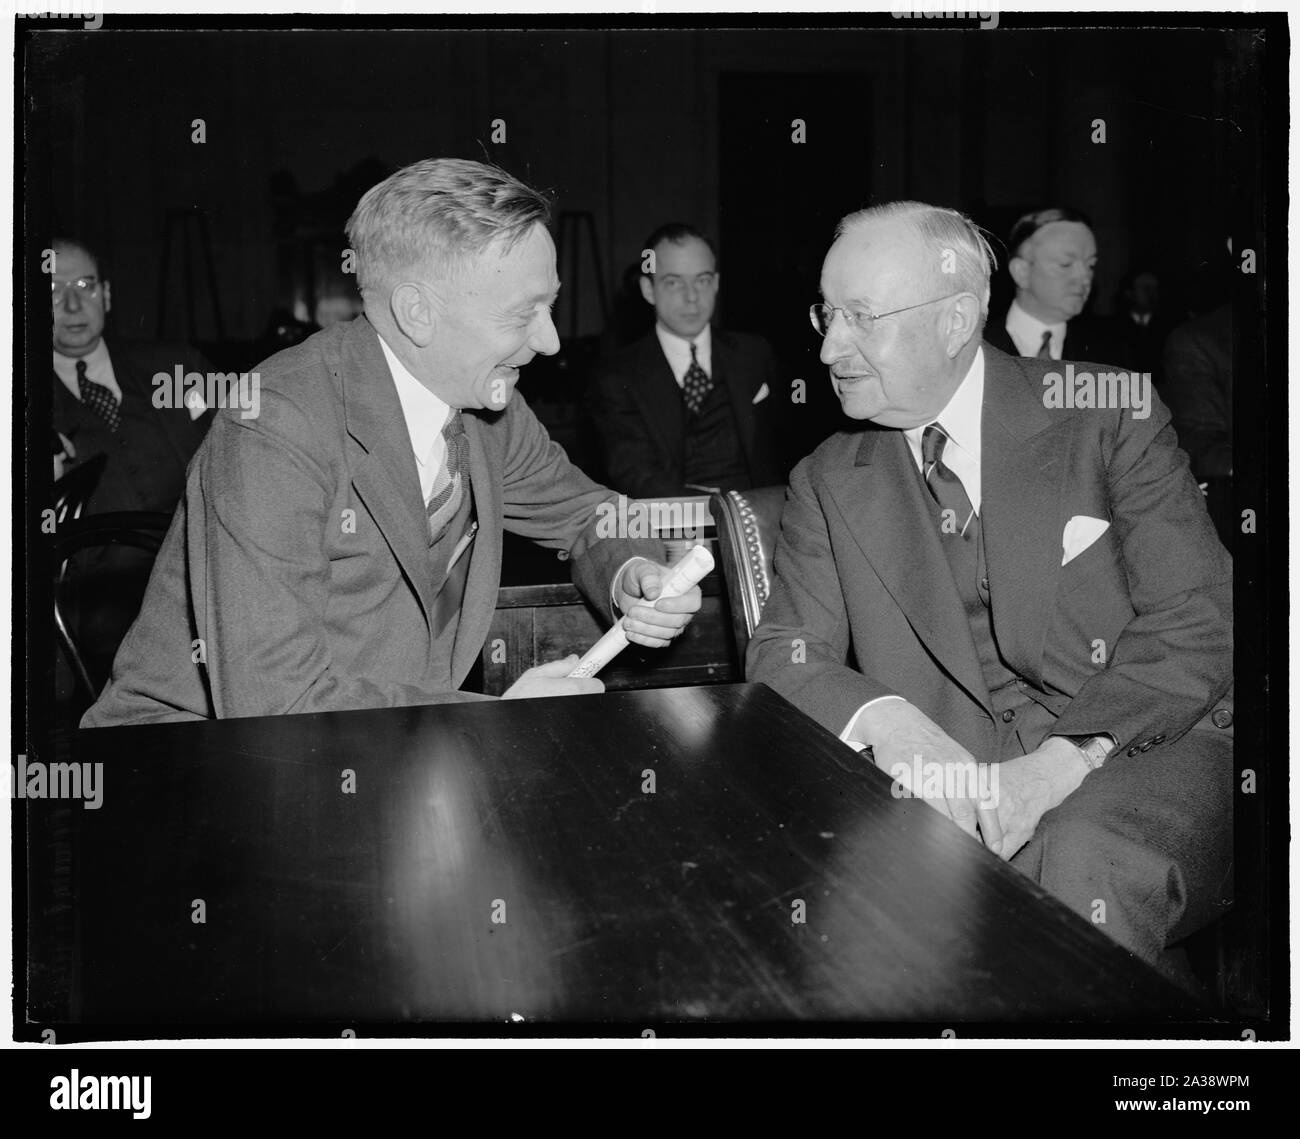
960,420
99,370
1026,332
678,351
426,415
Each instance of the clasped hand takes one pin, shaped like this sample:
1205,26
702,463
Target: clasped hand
1000,803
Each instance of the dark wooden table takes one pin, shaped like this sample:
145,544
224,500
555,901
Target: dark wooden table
375,905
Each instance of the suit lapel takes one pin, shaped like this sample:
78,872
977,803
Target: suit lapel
742,407
659,397
383,467
479,602
1024,463
890,516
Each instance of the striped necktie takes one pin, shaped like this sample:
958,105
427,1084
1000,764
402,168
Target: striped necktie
945,487
1045,349
448,487
98,398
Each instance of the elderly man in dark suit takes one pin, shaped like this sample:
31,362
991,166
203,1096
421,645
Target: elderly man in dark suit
688,408
1053,258
981,581
343,548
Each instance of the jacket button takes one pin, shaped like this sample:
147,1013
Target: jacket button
1158,739
1221,718
984,584
1133,750
1147,746
1008,716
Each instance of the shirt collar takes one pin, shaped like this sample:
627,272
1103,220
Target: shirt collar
1026,329
424,412
678,349
96,361
960,418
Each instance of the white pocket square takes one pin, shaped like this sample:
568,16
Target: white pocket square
1080,533
762,394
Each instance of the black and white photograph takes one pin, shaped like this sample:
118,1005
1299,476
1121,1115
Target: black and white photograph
650,529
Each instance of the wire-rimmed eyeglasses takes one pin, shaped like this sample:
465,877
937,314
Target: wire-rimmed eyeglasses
87,288
860,320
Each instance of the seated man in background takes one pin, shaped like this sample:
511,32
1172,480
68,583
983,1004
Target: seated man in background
1198,389
103,405
1053,258
343,548
974,576
687,408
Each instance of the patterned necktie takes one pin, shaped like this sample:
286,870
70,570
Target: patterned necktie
696,385
946,487
1045,349
448,487
98,398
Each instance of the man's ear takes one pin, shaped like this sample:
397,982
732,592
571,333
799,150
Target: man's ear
963,322
106,291
414,312
1018,267
647,288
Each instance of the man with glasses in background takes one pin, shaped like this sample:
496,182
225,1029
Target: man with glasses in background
104,401
687,408
103,405
1021,609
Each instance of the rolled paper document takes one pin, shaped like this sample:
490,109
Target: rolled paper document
683,576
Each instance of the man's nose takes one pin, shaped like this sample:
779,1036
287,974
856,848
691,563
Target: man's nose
835,344
545,341
71,300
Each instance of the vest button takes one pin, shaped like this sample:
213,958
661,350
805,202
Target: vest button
1132,751
1008,716
1221,718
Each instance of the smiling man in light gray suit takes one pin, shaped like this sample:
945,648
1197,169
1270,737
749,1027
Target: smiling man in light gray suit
343,548
979,576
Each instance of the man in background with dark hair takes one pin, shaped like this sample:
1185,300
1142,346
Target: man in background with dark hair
1053,256
688,407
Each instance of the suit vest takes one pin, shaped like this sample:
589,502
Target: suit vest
973,589
713,453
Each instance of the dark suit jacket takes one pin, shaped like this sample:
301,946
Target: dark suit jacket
299,555
1086,338
641,419
860,576
1198,389
147,458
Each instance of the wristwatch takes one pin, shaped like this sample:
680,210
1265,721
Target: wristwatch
1094,748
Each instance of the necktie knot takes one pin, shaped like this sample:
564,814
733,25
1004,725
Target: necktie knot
933,441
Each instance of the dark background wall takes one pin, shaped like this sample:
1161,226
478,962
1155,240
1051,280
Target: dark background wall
635,128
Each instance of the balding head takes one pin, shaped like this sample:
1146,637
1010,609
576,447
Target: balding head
922,272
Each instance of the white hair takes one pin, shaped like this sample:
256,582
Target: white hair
434,215
962,253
